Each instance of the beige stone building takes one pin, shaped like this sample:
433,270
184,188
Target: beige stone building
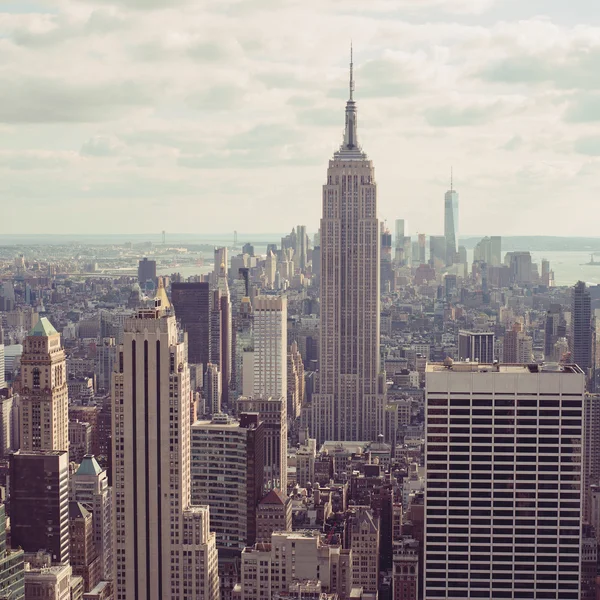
44,407
350,401
274,513
164,549
268,569
364,542
273,413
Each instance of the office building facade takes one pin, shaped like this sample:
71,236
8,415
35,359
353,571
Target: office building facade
476,346
503,495
226,445
39,502
581,326
163,546
191,302
350,399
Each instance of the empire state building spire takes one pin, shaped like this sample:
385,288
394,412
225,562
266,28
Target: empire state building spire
350,148
350,399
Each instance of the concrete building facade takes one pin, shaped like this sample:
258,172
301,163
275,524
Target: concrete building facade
503,490
164,549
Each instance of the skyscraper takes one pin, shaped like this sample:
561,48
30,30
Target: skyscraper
192,308
163,546
581,326
89,487
147,274
44,407
225,445
220,332
39,502
273,414
270,347
2,376
399,236
301,249
451,223
349,402
503,494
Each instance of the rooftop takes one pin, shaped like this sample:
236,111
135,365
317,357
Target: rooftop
274,497
43,328
89,466
515,369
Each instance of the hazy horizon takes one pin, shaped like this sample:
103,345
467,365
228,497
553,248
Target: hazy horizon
166,114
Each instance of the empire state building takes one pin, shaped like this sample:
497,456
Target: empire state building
351,389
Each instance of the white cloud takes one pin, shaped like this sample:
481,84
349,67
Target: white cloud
227,111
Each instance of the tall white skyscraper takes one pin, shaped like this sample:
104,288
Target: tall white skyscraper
350,399
164,549
270,347
503,497
451,223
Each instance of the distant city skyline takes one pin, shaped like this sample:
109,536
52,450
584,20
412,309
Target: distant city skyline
186,105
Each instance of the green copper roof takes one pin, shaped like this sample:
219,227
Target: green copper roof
89,466
43,328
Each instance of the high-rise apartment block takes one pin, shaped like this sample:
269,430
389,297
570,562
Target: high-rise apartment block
293,557
191,302
581,326
503,497
39,502
350,398
44,408
12,567
227,475
89,487
269,355
590,454
163,546
476,346
273,413
2,376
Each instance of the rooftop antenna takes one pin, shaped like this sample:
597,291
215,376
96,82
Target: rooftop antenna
351,71
451,179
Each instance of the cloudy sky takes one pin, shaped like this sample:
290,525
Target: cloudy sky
207,116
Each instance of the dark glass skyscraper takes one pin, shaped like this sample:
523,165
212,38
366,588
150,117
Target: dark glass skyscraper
581,326
39,502
191,302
